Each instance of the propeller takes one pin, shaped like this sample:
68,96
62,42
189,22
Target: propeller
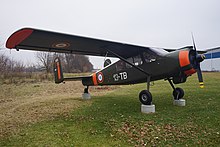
198,58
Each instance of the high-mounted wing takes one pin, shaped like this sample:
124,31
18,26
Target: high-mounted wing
39,40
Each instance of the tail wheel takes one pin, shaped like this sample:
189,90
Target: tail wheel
86,90
178,93
145,97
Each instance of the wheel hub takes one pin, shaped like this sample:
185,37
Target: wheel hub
144,97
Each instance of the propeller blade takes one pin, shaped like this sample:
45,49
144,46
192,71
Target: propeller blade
194,44
199,58
200,78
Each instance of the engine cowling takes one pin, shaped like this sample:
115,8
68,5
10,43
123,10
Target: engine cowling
189,63
186,61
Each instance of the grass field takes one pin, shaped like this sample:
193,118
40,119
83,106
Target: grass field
45,114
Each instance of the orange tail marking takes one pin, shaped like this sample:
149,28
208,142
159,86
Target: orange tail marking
58,71
94,79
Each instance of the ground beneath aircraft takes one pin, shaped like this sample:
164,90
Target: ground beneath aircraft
28,103
45,114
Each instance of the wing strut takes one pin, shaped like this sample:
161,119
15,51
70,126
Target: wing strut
148,83
123,59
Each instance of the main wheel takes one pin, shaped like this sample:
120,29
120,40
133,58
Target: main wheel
178,93
145,97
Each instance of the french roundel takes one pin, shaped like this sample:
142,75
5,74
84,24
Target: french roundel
100,77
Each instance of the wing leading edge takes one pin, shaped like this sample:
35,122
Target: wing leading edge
40,40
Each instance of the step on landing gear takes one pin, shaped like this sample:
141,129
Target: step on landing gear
86,95
178,94
145,98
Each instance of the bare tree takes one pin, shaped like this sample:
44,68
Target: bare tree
77,63
18,67
4,61
10,67
45,60
70,62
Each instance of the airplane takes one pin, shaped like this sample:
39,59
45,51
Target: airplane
137,64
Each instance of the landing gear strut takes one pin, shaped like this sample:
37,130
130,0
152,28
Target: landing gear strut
86,90
145,96
178,93
86,94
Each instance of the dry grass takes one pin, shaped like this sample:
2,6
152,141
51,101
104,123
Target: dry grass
29,103
113,119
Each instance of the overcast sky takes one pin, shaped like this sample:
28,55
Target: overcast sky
152,23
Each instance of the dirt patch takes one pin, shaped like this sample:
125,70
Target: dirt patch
29,103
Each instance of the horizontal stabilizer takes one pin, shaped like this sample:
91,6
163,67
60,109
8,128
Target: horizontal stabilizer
77,78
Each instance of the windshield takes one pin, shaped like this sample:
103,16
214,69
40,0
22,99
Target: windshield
159,51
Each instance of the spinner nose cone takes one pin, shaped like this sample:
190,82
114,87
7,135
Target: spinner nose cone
200,58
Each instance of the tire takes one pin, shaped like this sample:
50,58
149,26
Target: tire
145,97
178,93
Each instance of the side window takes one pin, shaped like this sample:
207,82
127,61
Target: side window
120,65
149,57
131,60
135,61
138,60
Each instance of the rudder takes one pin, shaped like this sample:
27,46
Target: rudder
58,73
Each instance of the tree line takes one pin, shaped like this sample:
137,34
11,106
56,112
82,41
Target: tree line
71,63
9,66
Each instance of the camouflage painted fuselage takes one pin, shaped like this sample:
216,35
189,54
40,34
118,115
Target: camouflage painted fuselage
176,65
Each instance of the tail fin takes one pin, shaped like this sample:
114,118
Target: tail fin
58,73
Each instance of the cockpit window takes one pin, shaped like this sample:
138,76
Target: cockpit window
135,61
138,60
131,60
159,51
149,57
